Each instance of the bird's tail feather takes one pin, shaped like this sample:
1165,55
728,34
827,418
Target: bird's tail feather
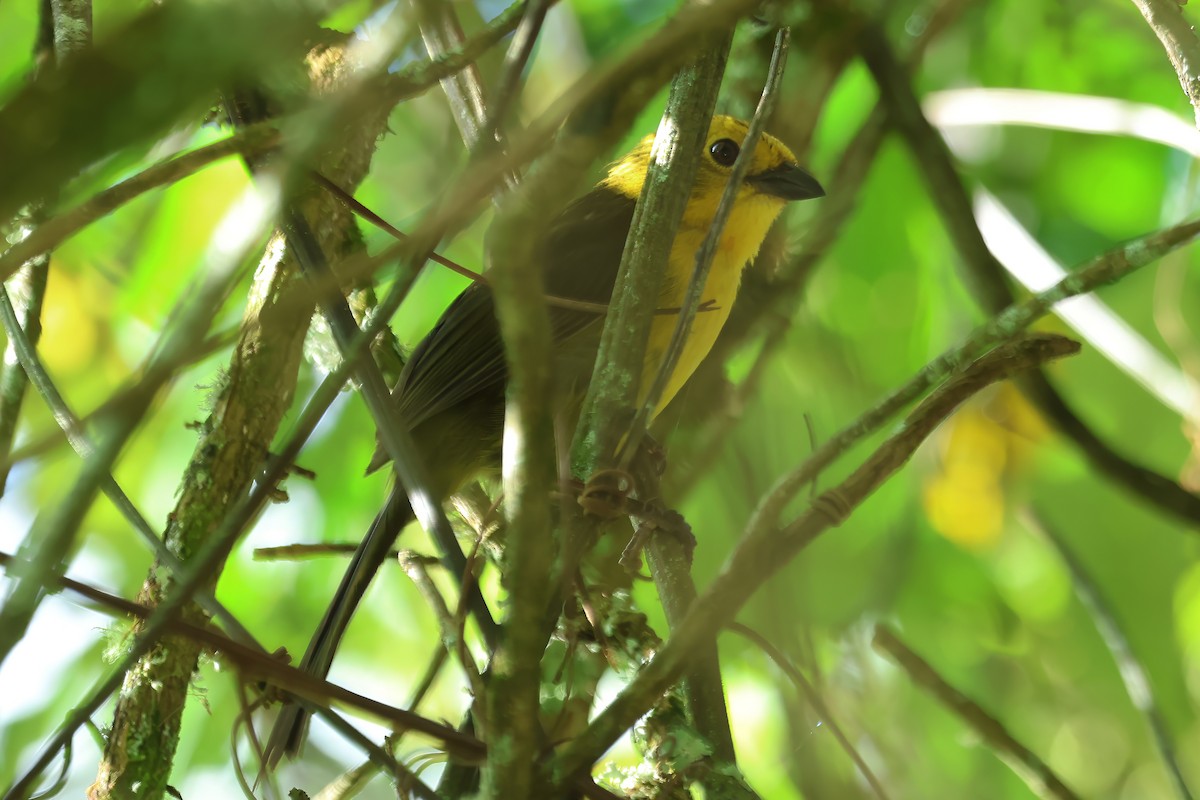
287,736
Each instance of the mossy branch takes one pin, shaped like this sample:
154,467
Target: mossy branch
765,549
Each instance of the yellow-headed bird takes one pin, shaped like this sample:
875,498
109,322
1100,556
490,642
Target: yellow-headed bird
451,393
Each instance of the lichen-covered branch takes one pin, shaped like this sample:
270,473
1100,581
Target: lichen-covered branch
764,550
235,439
614,386
1103,270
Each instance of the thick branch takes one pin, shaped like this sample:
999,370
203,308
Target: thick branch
764,550
667,556
530,458
614,388
249,406
529,471
1103,270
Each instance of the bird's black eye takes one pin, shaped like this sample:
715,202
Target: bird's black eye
724,152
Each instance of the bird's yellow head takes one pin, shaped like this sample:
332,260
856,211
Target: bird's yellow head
773,179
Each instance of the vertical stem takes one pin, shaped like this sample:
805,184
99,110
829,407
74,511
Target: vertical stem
29,288
680,138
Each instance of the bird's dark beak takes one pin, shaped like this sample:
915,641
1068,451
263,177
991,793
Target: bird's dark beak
787,181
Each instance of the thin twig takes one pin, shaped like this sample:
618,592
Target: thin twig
244,718
300,552
372,551
414,565
29,284
475,277
24,348
359,775
1036,773
442,34
53,531
65,28
57,229
515,60
413,81
814,699
394,435
395,439
256,665
1133,675
1179,39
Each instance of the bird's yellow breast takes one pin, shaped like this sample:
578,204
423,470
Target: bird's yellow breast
751,217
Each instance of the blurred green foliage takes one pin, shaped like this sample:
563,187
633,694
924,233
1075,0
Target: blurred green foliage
944,551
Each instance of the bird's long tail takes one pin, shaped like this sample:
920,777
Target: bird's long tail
290,728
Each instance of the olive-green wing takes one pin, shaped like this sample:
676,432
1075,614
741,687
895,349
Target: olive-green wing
463,355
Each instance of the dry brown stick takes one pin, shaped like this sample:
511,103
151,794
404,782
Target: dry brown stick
765,548
254,665
475,277
1041,780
